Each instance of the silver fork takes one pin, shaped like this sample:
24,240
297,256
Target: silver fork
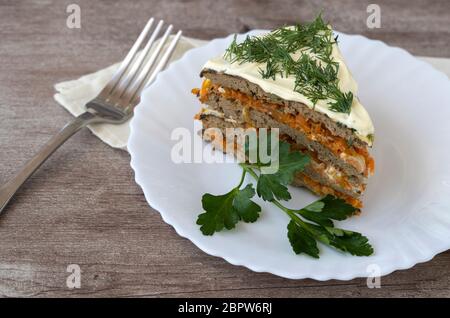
114,104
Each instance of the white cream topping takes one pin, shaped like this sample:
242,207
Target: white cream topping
358,119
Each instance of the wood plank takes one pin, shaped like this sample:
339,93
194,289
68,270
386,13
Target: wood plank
83,206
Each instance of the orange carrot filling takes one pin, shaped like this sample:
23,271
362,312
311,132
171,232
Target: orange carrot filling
313,130
312,184
320,167
320,189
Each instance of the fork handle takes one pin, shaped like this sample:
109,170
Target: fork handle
8,190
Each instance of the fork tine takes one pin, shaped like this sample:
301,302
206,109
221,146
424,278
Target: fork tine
140,79
162,63
116,101
122,85
130,56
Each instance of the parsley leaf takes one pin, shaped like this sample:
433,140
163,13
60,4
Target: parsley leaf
247,210
290,163
354,243
347,241
269,188
219,213
327,209
302,241
273,186
336,209
224,211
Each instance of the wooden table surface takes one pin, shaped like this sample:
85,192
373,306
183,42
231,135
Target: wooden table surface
83,206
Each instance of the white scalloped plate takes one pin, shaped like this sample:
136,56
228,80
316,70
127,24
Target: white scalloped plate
407,203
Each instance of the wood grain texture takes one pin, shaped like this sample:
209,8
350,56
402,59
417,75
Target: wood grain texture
83,206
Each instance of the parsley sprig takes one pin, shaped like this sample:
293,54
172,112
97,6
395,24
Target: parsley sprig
315,71
224,211
308,225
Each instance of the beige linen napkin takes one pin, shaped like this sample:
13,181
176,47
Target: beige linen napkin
73,95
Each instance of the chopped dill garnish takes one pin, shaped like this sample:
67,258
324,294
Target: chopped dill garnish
303,51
